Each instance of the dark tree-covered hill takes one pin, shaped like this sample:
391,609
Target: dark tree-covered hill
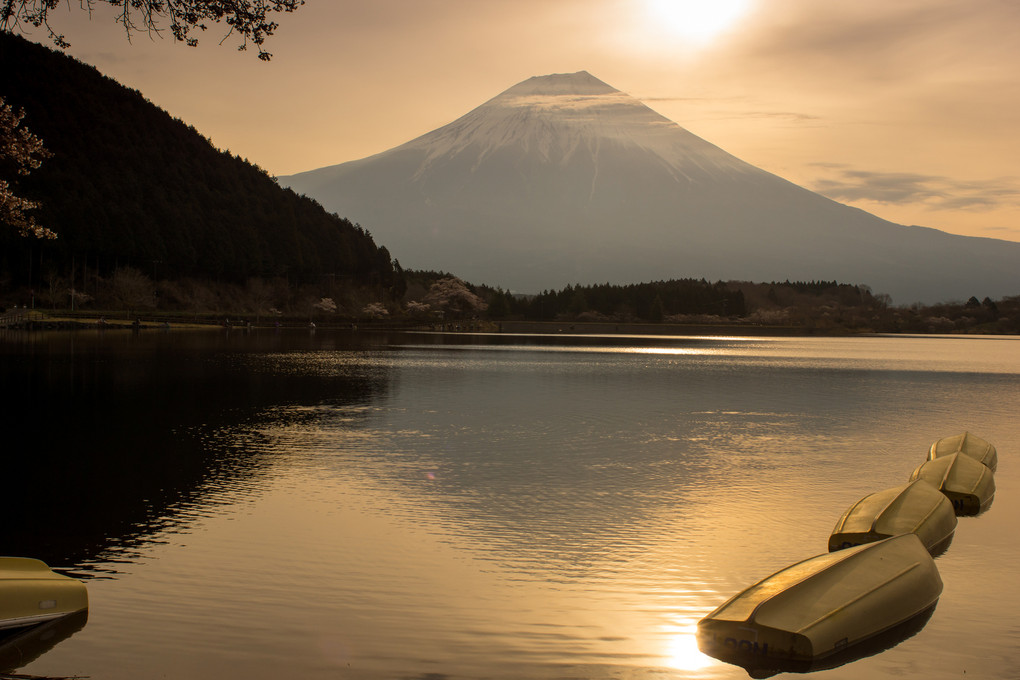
129,185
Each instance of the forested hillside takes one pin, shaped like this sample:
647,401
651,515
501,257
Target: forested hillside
130,186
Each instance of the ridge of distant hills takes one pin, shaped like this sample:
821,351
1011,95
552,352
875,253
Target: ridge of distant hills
563,179
128,185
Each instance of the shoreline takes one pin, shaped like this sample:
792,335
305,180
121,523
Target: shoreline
35,320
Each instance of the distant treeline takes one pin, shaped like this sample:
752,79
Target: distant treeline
441,300
808,306
128,185
657,301
652,302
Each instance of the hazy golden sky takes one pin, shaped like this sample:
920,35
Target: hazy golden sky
907,109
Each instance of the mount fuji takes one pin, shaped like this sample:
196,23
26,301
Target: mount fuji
562,179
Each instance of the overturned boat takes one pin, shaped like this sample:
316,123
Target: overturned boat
967,444
916,507
824,605
969,485
32,593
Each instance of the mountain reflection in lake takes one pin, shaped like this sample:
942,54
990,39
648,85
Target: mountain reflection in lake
396,506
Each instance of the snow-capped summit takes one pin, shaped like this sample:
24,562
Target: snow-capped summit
558,84
564,179
559,116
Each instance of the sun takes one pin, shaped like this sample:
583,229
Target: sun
695,22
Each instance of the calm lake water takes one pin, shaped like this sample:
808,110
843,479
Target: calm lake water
417,506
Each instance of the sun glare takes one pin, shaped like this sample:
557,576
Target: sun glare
683,653
695,21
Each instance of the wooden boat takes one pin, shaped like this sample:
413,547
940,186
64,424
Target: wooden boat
916,507
969,485
825,605
966,443
32,593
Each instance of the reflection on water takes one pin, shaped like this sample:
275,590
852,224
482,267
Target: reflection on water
486,506
126,436
21,647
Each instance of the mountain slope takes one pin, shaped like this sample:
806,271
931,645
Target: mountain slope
563,179
129,185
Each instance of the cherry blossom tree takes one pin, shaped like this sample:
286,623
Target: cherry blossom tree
452,296
325,305
375,310
418,309
20,153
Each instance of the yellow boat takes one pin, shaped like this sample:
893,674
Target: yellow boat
966,443
916,507
825,605
968,484
32,593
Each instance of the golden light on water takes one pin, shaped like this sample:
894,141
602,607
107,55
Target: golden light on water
682,651
686,351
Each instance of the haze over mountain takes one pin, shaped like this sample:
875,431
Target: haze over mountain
563,179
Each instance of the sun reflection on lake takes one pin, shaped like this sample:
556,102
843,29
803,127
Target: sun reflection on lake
671,351
682,651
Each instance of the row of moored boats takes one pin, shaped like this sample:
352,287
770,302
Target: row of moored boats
878,578
877,584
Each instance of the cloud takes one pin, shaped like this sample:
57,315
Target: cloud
870,48
570,102
732,113
1005,233
684,99
780,115
903,188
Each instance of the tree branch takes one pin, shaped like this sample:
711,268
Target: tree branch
249,19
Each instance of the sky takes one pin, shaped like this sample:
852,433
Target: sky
908,109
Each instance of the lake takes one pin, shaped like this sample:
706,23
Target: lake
337,504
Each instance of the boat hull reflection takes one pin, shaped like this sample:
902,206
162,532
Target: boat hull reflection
22,646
